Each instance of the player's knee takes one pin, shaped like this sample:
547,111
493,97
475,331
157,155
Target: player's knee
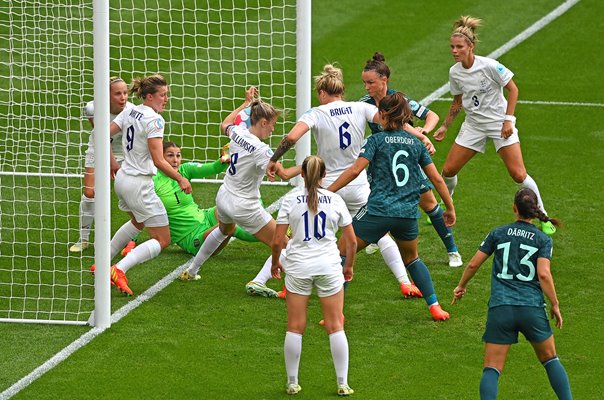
518,174
427,201
89,192
449,171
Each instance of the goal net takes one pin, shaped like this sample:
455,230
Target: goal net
210,52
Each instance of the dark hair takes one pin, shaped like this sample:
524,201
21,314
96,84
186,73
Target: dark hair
378,64
313,168
528,206
259,110
168,145
394,111
141,87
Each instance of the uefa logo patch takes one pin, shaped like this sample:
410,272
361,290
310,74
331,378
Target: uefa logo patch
159,124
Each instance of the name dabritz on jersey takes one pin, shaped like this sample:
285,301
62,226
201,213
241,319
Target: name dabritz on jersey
322,199
243,143
521,233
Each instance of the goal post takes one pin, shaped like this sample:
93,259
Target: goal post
50,67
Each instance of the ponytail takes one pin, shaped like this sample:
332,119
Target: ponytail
314,170
528,206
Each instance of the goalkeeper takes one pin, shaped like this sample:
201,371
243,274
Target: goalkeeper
189,224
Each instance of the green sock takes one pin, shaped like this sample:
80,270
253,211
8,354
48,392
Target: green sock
244,235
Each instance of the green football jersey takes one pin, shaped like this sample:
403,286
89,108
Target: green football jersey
516,248
394,173
184,214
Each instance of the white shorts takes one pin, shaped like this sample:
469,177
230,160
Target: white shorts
137,195
355,197
475,138
248,214
116,146
327,285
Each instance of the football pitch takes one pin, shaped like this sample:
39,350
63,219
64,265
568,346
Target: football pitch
209,340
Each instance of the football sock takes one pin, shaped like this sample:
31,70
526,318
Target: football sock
265,273
209,246
531,184
293,349
489,383
141,253
244,235
558,378
86,217
422,279
121,238
338,343
392,257
451,182
445,233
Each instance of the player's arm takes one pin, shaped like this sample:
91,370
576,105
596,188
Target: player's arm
547,285
277,246
287,142
196,170
113,164
157,155
349,175
440,186
509,122
432,119
250,94
471,269
350,239
454,110
415,131
287,173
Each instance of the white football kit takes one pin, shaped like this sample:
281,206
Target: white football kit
134,180
116,143
238,199
481,87
312,254
339,131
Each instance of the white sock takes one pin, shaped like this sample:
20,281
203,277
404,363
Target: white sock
265,273
209,246
141,253
292,349
392,257
451,182
338,344
122,237
530,183
86,217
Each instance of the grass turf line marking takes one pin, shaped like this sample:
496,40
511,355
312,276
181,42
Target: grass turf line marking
548,103
153,290
521,37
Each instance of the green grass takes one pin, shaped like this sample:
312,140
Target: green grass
209,340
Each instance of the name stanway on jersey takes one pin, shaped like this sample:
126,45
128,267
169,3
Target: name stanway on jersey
313,250
249,158
139,124
481,87
339,130
116,142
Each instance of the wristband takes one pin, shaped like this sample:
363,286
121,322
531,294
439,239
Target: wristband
510,118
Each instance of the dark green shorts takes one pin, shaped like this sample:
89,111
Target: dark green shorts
372,228
193,241
504,323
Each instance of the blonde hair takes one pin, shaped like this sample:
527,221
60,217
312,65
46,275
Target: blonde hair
313,168
465,27
141,87
331,80
261,110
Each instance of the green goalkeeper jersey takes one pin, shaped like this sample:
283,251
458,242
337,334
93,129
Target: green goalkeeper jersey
184,214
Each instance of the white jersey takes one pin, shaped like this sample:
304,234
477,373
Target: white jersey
481,87
139,124
249,158
313,248
339,130
116,142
